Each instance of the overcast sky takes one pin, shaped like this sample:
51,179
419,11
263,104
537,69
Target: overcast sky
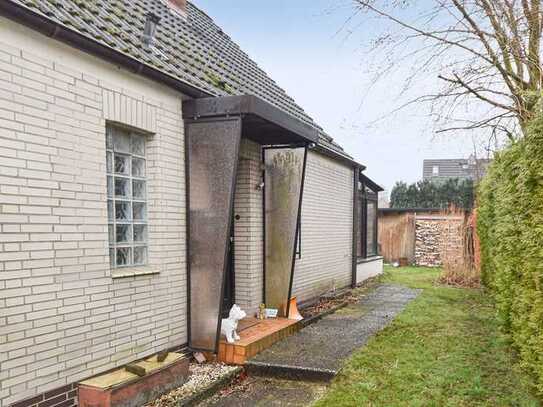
304,46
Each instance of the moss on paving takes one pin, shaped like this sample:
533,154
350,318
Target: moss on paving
263,392
351,312
444,349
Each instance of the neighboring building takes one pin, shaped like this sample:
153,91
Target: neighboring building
136,142
442,169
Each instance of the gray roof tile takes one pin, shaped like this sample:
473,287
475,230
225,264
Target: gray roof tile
194,49
455,168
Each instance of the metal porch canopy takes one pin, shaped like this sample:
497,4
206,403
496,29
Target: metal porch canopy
261,121
213,131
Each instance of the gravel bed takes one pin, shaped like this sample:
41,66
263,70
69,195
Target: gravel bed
201,377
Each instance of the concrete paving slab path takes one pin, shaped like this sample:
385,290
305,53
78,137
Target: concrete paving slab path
318,351
315,354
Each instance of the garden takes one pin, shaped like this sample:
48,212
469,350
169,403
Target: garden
445,349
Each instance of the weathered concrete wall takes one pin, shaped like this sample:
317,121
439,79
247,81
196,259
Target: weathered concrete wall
63,314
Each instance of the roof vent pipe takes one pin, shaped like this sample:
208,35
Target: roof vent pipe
149,30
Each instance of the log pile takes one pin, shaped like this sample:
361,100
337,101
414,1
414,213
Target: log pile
437,238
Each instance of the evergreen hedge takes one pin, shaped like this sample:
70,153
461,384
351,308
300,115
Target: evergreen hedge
510,227
433,194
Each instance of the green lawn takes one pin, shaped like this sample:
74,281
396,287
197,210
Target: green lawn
445,349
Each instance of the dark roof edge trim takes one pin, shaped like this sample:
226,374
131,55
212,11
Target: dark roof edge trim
410,210
339,157
371,184
39,23
224,106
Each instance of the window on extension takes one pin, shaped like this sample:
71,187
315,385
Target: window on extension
367,223
371,225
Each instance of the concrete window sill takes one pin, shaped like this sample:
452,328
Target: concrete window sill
133,272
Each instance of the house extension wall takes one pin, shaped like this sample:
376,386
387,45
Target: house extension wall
63,316
326,227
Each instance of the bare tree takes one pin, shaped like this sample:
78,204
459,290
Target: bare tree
485,52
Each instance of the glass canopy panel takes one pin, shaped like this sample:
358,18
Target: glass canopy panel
212,148
284,171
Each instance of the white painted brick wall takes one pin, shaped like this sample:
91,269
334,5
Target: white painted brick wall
327,228
62,315
248,230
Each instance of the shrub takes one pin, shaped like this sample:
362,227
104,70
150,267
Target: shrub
510,228
458,250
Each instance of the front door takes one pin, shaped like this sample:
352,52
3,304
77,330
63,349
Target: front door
229,283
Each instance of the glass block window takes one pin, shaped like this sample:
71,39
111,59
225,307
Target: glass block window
126,197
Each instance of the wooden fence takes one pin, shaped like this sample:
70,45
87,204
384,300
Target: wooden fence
397,236
414,234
